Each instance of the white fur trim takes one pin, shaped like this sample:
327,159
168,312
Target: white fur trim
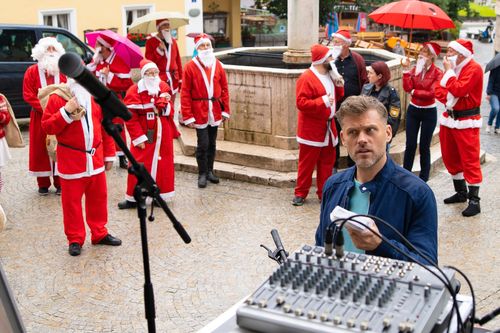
460,124
140,106
322,60
82,174
342,37
447,75
189,121
65,115
458,176
40,173
316,143
460,48
226,115
139,140
110,158
147,66
109,78
201,41
326,100
103,42
163,21
123,75
431,48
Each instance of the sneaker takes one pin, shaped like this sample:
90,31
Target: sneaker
497,131
488,129
298,201
43,191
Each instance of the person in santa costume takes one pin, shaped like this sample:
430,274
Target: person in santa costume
317,91
162,49
114,73
151,130
45,72
205,105
84,151
460,90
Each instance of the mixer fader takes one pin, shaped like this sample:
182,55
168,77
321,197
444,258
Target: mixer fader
312,292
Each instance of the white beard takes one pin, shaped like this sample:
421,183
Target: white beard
336,52
152,85
97,56
207,57
167,36
81,94
333,72
49,64
420,66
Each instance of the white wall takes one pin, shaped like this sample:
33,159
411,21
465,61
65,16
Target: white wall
195,22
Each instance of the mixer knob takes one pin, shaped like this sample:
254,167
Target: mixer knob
386,323
364,326
311,315
297,256
298,312
402,327
351,323
319,260
324,316
427,291
263,304
280,300
287,308
249,301
416,278
410,286
308,258
410,328
337,320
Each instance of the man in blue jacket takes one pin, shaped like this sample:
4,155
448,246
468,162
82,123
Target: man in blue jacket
379,187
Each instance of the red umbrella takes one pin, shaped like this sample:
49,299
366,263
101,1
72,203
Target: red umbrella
124,47
412,14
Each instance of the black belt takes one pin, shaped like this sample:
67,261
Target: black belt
90,151
454,114
213,99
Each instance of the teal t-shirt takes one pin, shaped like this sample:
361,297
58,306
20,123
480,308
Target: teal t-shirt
359,202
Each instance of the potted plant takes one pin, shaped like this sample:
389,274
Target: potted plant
247,39
137,38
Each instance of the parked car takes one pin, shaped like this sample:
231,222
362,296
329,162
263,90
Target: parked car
16,42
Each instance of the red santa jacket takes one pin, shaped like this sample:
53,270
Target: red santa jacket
34,79
315,125
145,109
169,64
119,78
423,87
461,89
4,116
90,144
205,95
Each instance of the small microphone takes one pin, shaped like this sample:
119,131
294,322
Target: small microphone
280,250
329,242
339,243
71,65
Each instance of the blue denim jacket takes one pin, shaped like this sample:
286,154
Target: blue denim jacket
396,196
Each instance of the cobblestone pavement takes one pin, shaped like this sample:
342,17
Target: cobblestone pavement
102,290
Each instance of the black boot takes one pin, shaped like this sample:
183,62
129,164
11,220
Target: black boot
202,180
461,195
212,178
123,161
474,208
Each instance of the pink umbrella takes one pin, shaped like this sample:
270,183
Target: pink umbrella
124,47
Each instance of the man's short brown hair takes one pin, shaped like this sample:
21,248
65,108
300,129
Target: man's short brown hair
357,105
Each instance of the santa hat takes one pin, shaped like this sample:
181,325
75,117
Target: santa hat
160,22
201,39
319,53
462,46
147,64
40,49
105,41
434,48
344,35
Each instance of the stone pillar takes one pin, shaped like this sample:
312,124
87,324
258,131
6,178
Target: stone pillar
303,24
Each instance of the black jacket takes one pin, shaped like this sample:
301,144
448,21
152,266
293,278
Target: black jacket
388,96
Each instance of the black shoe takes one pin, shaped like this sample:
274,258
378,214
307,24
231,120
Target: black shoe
213,178
58,191
461,192
125,204
202,181
43,191
109,240
123,161
298,201
472,209
74,249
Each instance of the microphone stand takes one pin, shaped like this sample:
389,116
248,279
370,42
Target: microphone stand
146,187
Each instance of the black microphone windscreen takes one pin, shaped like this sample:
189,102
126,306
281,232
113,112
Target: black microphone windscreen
71,65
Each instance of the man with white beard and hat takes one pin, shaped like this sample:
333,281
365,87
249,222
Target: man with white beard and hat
84,152
205,105
46,72
162,49
318,90
114,73
151,131
461,89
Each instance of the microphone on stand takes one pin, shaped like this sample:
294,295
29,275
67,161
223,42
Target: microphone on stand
339,243
281,254
71,65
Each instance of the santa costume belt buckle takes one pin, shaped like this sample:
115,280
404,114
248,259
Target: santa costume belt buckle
150,116
92,152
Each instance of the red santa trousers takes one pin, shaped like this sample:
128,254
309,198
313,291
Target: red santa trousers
96,210
460,148
310,157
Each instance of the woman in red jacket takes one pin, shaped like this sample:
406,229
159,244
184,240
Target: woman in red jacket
422,113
